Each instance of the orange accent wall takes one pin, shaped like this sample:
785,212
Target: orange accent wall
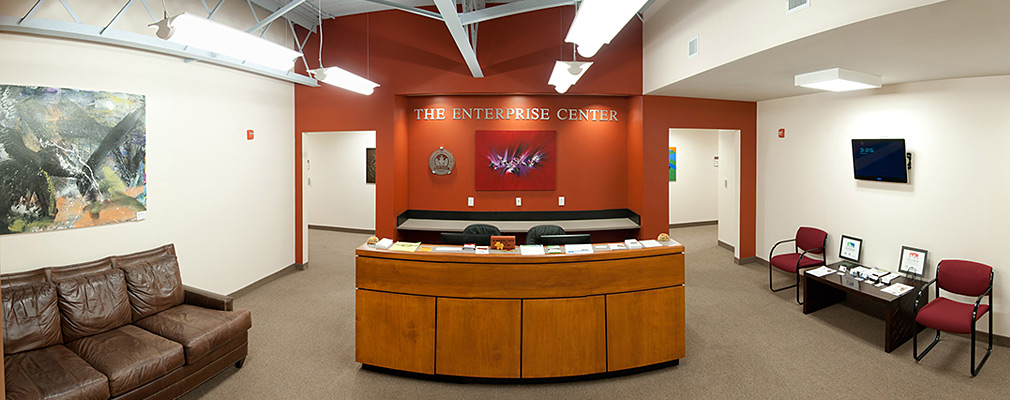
416,62
591,161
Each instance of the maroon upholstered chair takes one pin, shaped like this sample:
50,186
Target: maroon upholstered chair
966,278
808,241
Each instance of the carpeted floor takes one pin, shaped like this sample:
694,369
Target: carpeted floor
742,342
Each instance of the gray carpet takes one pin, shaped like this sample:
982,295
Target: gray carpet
742,342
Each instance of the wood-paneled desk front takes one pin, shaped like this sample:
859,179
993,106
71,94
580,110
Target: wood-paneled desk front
515,316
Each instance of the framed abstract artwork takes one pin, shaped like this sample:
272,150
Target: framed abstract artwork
70,158
515,160
672,161
370,165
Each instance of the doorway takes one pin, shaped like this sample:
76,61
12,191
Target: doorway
704,181
337,194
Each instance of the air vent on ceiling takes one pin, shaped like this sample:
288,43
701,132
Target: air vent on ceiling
692,47
796,5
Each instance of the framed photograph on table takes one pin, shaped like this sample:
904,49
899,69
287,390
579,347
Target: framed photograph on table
913,261
850,248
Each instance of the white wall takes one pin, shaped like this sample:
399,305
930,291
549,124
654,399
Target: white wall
956,203
227,203
694,196
338,195
729,189
732,29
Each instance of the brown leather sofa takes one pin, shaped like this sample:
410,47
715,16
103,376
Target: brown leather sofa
122,327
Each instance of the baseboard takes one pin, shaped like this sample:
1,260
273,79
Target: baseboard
267,279
340,229
726,246
690,224
749,260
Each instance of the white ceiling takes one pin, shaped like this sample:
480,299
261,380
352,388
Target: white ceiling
950,39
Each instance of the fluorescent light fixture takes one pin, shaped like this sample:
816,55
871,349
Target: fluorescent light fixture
566,73
838,80
202,33
598,21
341,78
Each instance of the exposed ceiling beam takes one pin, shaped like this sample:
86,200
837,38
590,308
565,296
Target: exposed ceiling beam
448,10
277,14
507,9
413,10
95,34
305,22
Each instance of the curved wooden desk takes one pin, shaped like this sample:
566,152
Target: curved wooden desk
514,316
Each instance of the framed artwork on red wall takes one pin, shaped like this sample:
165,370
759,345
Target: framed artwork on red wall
515,160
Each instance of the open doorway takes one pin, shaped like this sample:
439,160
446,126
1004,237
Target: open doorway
704,181
337,192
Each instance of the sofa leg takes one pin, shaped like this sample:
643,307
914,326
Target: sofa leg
240,363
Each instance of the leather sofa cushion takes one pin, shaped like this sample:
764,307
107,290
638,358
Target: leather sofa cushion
129,356
92,304
52,373
84,268
31,318
200,330
153,280
23,278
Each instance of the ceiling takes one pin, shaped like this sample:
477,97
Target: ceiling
306,14
950,39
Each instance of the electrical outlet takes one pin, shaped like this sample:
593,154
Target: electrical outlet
561,201
469,201
519,201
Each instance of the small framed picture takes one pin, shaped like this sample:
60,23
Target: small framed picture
851,248
913,261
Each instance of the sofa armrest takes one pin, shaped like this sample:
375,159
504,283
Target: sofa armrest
203,298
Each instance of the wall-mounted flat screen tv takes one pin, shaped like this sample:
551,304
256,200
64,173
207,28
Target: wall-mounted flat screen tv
879,160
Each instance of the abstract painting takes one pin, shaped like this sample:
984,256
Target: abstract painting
370,165
70,158
515,160
673,164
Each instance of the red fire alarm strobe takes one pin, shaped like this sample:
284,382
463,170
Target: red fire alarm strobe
782,133
249,135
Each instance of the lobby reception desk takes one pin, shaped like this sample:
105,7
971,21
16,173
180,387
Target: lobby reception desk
515,316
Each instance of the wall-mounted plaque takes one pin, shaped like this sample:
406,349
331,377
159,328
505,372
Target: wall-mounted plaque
441,162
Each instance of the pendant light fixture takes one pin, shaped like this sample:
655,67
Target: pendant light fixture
337,76
598,21
566,73
190,30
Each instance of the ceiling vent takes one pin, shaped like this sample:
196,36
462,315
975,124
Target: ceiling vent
796,5
692,47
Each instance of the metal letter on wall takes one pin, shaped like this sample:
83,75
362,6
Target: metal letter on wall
441,162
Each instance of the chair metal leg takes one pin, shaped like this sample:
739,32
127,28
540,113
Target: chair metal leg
974,368
798,300
770,281
915,342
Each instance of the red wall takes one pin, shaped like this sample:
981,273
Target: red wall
409,55
591,163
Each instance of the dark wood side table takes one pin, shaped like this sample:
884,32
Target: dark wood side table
897,311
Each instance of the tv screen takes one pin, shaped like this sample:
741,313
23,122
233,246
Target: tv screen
879,160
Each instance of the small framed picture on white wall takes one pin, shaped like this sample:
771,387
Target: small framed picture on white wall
913,261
